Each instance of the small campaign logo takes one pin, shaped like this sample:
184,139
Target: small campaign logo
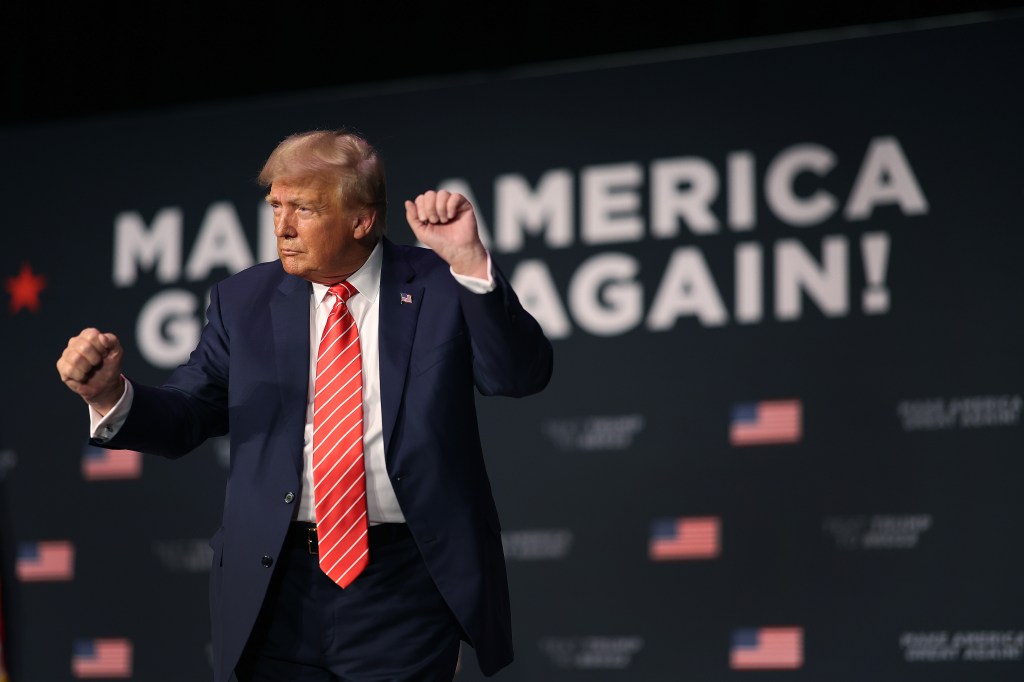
541,544
100,464
184,556
771,648
689,537
594,652
766,422
965,412
51,560
880,531
111,657
595,433
966,646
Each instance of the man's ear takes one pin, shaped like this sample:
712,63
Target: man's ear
364,223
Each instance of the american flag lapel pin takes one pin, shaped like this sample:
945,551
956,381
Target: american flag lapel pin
406,298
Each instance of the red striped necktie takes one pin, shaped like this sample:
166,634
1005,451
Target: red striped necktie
339,478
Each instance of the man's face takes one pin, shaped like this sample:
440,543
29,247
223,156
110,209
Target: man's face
317,239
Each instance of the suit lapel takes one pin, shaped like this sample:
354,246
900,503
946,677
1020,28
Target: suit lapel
397,330
289,312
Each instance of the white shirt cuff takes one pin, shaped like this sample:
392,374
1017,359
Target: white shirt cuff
104,427
475,284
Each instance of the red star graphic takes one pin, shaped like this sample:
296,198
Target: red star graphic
24,289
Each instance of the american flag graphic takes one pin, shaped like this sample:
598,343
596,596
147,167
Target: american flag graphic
766,422
50,560
101,658
100,464
772,648
689,537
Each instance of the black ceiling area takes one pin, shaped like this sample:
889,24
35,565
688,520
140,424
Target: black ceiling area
87,60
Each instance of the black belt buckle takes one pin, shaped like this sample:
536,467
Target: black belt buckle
311,542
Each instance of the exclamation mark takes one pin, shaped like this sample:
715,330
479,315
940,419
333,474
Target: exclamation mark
875,248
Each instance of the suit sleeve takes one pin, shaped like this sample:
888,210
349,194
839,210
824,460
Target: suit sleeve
511,355
173,419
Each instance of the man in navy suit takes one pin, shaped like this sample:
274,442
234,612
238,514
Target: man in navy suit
433,325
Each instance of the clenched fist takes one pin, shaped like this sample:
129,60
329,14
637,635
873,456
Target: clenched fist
91,367
446,223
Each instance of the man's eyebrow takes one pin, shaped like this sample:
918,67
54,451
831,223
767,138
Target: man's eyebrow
309,202
289,200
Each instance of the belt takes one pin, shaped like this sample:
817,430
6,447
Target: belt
304,535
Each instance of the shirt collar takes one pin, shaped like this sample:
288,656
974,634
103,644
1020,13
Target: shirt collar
366,279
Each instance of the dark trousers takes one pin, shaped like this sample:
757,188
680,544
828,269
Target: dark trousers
390,624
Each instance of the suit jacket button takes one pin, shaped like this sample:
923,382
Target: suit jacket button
289,497
267,562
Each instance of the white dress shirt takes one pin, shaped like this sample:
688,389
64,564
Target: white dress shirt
381,503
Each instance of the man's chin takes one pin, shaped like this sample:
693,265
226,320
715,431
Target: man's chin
291,266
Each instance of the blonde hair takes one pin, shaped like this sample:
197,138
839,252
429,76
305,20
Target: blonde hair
337,157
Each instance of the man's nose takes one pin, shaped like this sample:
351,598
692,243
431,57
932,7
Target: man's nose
283,226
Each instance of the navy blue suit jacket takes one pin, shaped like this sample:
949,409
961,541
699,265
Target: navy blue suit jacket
249,377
